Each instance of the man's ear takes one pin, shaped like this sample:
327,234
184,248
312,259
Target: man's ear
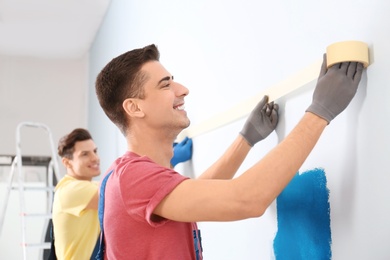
65,162
132,108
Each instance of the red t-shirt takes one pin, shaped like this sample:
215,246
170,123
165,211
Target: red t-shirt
131,231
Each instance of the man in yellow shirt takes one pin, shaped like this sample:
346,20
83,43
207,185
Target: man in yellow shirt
75,219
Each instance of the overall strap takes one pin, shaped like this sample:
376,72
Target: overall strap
100,254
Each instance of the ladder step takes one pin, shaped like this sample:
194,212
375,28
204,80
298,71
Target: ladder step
37,245
34,188
35,215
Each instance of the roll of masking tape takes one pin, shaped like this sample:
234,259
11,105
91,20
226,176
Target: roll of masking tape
347,51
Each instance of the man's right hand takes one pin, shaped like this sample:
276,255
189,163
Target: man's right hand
261,122
335,89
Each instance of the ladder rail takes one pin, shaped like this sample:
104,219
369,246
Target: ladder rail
21,188
50,182
7,193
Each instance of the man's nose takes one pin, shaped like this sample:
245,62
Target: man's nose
95,157
181,90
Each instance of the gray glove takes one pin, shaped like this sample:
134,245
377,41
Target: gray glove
261,122
335,89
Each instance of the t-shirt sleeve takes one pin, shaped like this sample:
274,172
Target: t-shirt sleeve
144,186
76,196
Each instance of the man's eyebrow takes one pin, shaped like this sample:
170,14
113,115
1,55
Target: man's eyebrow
164,79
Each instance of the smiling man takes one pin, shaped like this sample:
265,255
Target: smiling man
75,221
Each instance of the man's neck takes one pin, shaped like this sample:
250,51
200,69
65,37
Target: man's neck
77,177
158,149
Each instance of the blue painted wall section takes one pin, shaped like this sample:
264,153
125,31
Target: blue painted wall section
303,215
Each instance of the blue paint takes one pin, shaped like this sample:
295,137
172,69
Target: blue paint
303,215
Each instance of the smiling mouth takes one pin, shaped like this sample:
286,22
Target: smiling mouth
95,166
180,107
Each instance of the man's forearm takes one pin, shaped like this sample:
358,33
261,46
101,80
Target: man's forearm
263,182
227,165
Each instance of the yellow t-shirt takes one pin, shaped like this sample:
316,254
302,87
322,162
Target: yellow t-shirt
76,229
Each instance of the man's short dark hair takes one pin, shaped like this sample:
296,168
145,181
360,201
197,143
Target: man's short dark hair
67,143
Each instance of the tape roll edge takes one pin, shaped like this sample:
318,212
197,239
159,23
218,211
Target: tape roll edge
348,51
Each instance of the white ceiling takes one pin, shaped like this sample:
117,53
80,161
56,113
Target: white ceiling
49,28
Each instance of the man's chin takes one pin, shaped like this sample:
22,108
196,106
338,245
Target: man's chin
188,124
185,125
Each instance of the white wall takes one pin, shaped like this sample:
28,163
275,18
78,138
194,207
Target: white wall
226,51
52,92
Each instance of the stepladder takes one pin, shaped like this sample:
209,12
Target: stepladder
30,183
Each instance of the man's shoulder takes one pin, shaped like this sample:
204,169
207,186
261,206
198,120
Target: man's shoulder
74,184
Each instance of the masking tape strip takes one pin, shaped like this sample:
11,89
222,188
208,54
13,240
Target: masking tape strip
358,51
243,108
